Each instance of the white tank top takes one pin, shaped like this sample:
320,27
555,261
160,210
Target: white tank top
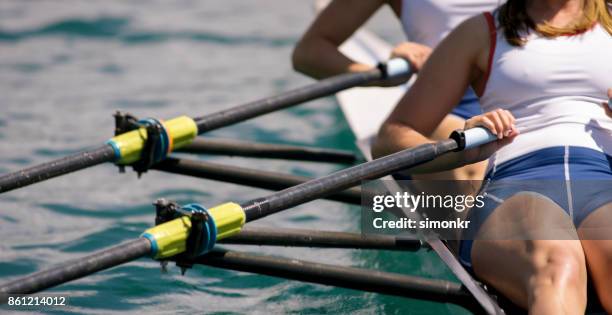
554,88
427,22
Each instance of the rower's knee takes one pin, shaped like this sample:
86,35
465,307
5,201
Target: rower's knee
559,272
603,285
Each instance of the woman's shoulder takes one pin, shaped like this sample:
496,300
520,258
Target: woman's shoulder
474,32
477,25
472,40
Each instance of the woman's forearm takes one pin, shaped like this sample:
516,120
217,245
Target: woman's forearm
319,59
395,137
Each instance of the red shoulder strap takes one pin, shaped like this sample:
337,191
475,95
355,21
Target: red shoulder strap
492,44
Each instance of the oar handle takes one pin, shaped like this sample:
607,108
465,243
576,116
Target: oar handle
395,68
473,137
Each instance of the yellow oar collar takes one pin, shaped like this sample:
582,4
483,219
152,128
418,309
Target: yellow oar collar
176,236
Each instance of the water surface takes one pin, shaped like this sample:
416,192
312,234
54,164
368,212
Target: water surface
65,67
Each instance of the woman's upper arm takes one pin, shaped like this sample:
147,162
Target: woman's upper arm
341,18
454,65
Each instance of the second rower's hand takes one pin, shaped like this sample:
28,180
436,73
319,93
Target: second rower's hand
415,53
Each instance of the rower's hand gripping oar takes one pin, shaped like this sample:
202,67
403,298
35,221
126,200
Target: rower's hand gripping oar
472,138
129,148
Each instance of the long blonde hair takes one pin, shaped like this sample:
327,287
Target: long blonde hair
515,21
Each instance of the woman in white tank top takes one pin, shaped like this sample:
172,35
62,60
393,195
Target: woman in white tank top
543,71
425,22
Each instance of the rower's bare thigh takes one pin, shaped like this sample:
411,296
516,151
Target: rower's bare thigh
596,235
526,235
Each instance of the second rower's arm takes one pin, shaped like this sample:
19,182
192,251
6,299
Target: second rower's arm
459,61
317,54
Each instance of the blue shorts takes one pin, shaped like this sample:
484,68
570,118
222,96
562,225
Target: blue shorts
468,107
577,179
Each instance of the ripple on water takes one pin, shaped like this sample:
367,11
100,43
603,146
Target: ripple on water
136,103
105,238
28,67
181,195
6,218
55,152
110,213
305,218
245,281
22,116
116,27
208,37
100,27
17,267
23,161
104,291
61,59
111,68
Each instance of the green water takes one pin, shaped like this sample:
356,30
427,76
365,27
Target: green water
67,66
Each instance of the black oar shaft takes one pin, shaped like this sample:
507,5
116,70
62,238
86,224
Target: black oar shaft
206,123
338,181
81,267
322,239
65,165
229,147
346,277
247,177
313,91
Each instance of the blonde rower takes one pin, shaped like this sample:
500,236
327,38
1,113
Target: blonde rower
543,71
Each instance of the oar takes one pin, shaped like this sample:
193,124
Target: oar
230,147
322,239
247,177
175,133
441,291
171,238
